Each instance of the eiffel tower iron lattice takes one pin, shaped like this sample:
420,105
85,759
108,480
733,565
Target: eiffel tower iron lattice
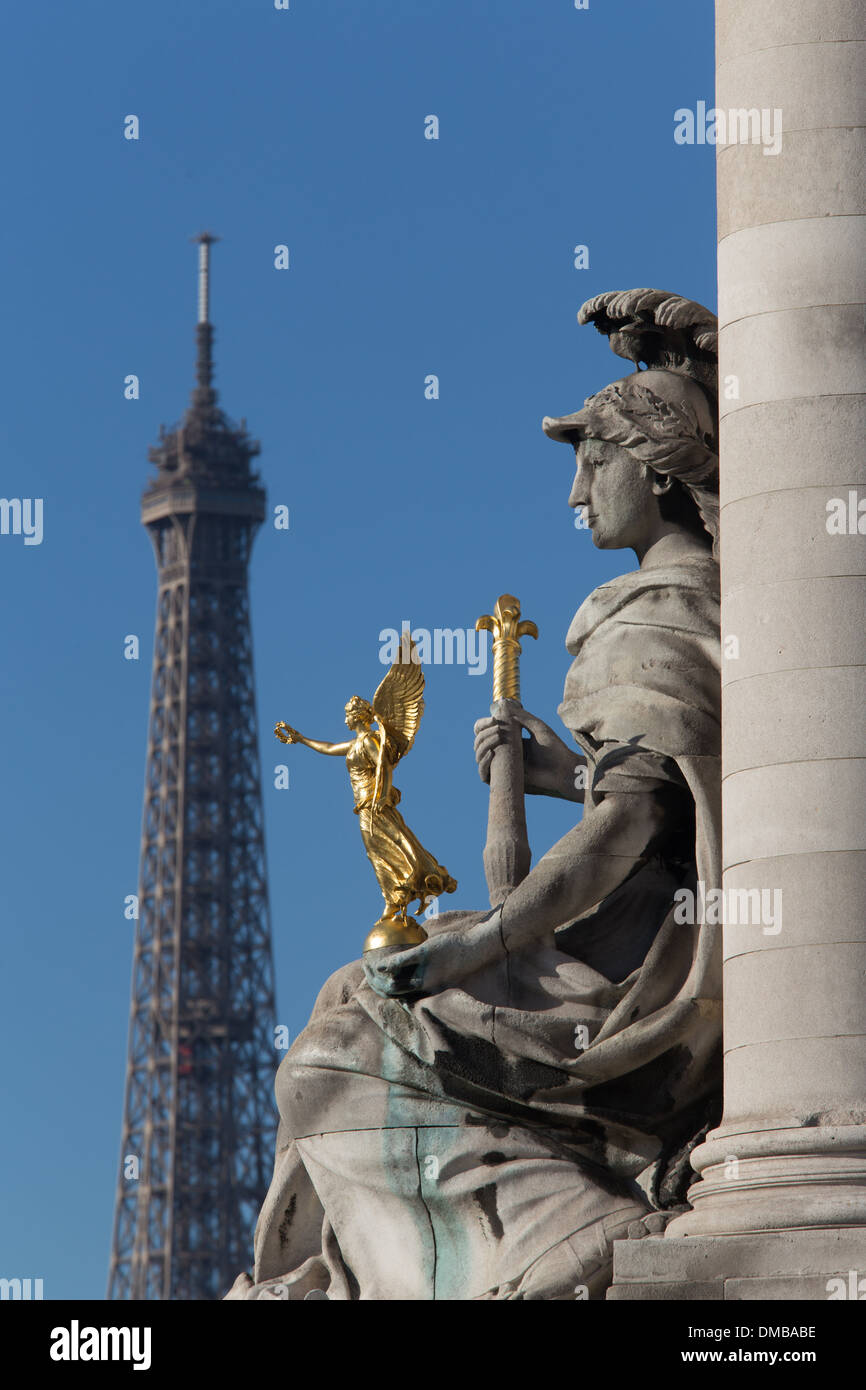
199,1118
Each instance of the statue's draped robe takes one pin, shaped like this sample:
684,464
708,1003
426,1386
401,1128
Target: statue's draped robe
487,1141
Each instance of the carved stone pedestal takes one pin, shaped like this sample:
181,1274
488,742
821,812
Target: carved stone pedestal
784,1265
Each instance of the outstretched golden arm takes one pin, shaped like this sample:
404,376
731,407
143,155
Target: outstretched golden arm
286,734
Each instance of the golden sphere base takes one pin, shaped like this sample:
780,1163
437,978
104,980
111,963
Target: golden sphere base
389,931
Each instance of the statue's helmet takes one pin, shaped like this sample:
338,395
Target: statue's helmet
667,415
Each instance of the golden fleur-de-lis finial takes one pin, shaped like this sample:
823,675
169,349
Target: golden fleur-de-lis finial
507,628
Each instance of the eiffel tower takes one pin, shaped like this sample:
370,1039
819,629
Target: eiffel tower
199,1119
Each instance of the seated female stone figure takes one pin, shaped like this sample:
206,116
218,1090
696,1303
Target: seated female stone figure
481,1116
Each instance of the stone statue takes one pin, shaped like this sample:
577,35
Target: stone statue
481,1115
404,869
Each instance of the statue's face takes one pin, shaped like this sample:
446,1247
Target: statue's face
617,494
355,718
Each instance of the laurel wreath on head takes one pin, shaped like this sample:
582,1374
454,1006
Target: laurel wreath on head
664,434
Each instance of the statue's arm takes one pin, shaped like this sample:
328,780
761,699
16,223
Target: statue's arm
550,766
286,734
334,750
589,862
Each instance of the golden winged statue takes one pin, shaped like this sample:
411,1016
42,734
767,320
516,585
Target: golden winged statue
405,870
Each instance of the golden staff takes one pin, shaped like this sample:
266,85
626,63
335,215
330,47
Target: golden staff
507,629
507,855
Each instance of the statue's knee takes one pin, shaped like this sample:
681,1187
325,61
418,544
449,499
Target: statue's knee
339,987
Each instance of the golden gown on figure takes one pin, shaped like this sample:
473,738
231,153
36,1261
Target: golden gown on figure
404,868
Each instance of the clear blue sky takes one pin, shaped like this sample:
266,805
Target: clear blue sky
408,257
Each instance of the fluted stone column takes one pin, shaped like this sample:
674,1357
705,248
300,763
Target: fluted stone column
781,1205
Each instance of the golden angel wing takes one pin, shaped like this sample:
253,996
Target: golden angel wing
398,703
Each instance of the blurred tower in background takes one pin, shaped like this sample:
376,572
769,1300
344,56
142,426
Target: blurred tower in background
199,1115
